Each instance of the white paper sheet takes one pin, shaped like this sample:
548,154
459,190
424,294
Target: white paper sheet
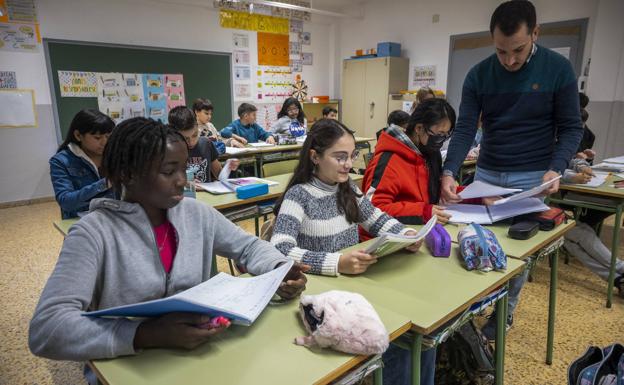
515,208
463,213
597,180
528,193
261,144
613,167
235,150
479,189
617,159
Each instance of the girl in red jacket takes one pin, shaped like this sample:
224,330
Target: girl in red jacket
403,178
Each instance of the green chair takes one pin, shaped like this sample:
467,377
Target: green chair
278,168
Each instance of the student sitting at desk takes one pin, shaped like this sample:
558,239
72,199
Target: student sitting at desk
319,213
329,113
203,156
398,118
203,110
74,169
152,244
246,127
290,120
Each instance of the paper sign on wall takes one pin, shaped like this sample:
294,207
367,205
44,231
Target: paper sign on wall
77,84
424,76
252,22
19,37
8,79
274,83
155,98
174,89
109,87
273,50
17,108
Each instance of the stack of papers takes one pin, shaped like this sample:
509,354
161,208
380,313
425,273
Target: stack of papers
239,299
612,167
388,243
486,215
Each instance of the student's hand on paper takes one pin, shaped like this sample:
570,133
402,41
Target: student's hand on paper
294,283
174,330
448,190
355,262
414,247
236,143
587,170
270,140
488,201
554,187
234,163
240,139
581,178
443,216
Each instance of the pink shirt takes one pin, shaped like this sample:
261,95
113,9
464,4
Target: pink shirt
166,240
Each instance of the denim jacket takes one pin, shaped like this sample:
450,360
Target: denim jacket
76,181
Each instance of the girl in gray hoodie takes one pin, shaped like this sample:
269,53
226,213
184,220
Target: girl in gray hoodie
149,245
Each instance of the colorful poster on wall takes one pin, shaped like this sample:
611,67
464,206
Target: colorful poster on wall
252,22
21,10
273,50
77,84
174,89
267,114
274,83
8,79
132,97
19,37
109,87
155,97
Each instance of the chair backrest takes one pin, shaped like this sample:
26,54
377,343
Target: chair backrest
266,232
278,168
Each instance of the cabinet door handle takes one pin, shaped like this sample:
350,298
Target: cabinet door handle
372,109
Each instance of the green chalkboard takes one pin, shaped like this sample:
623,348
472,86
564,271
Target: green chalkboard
206,74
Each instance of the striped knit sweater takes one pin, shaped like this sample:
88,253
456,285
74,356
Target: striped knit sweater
310,229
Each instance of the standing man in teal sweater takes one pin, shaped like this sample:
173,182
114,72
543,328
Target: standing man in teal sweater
528,98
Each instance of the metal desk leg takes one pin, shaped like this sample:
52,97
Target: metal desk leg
416,350
499,347
552,304
378,379
614,252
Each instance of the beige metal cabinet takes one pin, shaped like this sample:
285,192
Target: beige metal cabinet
366,84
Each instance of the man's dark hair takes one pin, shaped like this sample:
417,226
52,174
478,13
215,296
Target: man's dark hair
398,117
511,15
182,118
246,108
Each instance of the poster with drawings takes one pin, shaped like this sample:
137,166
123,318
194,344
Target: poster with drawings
154,96
274,84
132,97
267,114
174,89
110,89
78,84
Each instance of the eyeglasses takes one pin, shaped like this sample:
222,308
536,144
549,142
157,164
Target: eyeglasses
440,137
342,158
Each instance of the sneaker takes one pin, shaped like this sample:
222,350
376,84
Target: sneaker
619,283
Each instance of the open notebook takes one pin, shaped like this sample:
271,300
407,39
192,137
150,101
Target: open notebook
485,215
239,299
225,185
388,243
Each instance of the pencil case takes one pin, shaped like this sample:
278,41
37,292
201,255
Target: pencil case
523,230
252,190
547,220
439,241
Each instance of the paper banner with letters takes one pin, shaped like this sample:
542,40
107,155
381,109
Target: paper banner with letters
77,84
253,22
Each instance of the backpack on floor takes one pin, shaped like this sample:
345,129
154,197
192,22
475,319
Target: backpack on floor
466,358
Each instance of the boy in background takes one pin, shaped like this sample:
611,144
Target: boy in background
246,126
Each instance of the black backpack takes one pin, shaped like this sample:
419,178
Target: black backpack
466,358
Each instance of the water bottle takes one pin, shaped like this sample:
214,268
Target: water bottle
189,189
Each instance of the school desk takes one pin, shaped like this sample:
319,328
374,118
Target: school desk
614,205
523,249
281,152
263,353
430,292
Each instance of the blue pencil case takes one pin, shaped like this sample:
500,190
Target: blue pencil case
252,190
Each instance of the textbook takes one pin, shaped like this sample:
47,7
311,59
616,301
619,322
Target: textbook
225,185
388,243
486,215
239,299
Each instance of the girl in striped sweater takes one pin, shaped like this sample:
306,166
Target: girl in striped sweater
320,212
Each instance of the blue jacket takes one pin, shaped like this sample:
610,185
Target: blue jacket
76,182
253,132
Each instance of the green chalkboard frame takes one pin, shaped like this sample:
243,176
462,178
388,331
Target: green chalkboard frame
206,74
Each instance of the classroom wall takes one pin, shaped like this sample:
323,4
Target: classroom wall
187,24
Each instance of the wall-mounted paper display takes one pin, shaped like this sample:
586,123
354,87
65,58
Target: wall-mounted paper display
17,108
305,38
77,84
241,57
174,89
307,58
240,40
19,37
296,26
274,84
273,49
242,73
8,79
155,97
252,22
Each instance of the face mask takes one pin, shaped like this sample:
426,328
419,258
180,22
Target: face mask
434,144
